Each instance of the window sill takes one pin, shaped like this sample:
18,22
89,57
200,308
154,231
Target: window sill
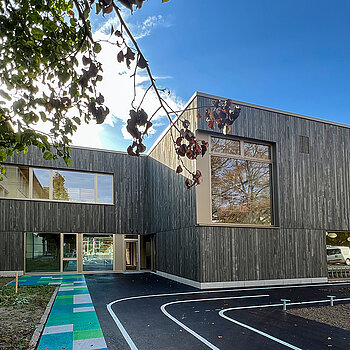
52,201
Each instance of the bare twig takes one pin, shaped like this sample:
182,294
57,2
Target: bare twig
152,80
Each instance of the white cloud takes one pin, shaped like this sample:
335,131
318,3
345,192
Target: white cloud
118,85
150,23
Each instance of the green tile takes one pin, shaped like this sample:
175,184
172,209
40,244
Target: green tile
87,334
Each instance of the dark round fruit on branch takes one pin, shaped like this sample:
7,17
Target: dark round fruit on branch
179,141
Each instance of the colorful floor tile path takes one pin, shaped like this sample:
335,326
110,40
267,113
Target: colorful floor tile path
72,323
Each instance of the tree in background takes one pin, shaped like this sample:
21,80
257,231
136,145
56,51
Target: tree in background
59,189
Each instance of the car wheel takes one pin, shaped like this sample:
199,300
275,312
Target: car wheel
347,262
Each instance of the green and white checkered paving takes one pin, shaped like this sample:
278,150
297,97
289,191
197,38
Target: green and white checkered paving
72,323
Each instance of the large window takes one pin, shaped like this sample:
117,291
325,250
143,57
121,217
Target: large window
57,185
42,252
241,182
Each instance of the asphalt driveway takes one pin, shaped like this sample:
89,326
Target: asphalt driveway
145,311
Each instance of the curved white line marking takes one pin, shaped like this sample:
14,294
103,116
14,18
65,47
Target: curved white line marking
221,313
189,330
133,346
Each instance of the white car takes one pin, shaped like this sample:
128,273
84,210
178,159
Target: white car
338,254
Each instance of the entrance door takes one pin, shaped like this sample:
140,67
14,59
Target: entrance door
98,251
69,262
131,256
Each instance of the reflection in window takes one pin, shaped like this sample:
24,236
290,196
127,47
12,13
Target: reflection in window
225,146
255,150
97,252
73,186
58,185
42,252
240,191
41,183
104,188
338,251
15,183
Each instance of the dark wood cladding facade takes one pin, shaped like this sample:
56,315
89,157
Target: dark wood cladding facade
312,185
171,208
125,216
311,188
250,254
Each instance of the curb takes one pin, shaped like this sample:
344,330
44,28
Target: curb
39,329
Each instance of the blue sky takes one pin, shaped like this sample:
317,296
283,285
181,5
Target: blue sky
293,56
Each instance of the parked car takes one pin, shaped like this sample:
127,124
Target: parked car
338,254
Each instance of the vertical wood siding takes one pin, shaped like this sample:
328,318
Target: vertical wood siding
125,216
171,208
313,197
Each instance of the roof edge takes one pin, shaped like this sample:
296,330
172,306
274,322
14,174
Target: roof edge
162,135
197,93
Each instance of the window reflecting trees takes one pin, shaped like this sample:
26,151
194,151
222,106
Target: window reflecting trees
241,188
58,185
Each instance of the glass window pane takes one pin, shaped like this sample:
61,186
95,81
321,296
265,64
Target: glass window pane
70,265
73,186
97,252
257,151
225,146
15,182
338,253
104,188
240,191
42,252
69,246
41,183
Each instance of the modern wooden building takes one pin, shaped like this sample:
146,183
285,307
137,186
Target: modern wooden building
275,194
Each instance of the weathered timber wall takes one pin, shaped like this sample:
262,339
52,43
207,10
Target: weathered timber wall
125,216
312,197
171,208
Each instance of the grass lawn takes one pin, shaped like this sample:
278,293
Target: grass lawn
19,314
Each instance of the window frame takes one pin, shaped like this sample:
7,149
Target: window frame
50,199
204,191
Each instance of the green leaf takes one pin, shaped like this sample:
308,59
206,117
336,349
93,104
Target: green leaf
43,116
3,156
37,33
97,48
64,77
77,120
5,95
25,149
47,155
98,8
68,161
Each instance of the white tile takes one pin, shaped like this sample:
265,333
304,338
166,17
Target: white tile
91,344
83,309
58,329
82,299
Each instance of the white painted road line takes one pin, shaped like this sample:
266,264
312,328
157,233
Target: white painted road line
188,329
221,313
133,346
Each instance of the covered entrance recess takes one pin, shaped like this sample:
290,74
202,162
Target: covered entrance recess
88,252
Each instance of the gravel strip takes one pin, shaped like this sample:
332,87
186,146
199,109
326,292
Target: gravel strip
337,315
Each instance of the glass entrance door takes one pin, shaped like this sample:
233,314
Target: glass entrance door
97,252
131,255
69,254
